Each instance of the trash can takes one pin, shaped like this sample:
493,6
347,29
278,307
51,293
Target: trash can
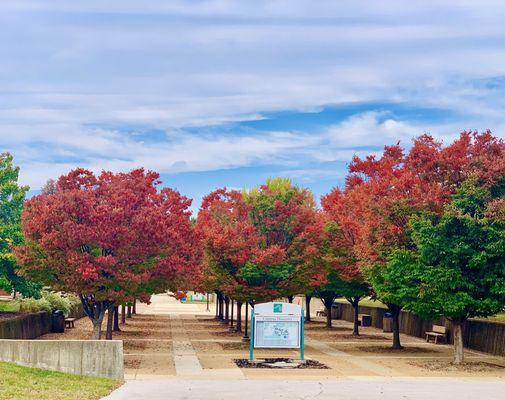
58,321
387,322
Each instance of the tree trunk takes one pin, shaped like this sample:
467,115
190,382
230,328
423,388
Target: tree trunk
97,328
328,302
227,309
129,311
221,308
95,310
134,308
457,332
110,319
231,315
307,307
246,319
239,316
395,316
123,314
355,305
290,299
116,319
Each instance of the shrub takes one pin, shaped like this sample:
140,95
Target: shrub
57,301
30,305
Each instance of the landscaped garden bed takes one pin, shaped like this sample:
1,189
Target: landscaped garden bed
280,363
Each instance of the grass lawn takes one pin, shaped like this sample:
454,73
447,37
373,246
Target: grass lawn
21,383
496,318
364,302
8,306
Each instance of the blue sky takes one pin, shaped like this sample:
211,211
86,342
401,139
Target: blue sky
228,93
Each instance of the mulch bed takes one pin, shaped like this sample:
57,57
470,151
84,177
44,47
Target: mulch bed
406,350
225,333
470,366
234,345
365,337
308,364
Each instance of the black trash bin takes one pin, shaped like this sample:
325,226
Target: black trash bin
58,321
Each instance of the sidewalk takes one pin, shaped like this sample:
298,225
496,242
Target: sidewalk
381,389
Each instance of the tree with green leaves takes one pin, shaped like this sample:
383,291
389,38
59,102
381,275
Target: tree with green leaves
458,267
12,197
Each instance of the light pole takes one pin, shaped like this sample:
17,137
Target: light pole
208,302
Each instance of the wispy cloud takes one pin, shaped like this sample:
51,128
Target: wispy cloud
84,82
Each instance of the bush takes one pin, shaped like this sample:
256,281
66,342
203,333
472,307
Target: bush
74,300
50,301
30,305
57,301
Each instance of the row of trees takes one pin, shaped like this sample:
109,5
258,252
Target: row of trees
420,230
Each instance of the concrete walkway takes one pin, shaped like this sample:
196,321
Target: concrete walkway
194,379
382,389
185,358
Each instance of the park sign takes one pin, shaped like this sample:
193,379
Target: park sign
277,326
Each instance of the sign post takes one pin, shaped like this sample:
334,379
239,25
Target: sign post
278,326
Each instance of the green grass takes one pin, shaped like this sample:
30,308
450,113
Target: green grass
374,303
8,306
21,383
497,318
364,303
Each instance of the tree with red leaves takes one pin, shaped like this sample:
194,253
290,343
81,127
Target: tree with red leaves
258,244
290,229
110,238
228,239
343,274
396,187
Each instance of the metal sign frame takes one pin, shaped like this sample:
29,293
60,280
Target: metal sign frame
277,315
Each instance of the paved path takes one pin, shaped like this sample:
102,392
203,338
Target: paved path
383,389
185,358
220,382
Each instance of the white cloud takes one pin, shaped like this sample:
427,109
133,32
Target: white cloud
78,70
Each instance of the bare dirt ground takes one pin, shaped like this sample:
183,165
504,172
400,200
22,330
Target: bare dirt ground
171,339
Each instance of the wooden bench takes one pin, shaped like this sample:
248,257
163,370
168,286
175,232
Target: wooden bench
364,320
69,322
321,313
437,332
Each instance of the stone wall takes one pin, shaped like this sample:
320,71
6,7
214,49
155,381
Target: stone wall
102,358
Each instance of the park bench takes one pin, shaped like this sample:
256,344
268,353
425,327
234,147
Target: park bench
364,319
69,322
321,313
437,332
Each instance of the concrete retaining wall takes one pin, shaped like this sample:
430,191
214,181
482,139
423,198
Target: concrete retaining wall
26,326
102,358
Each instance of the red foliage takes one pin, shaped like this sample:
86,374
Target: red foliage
385,192
113,236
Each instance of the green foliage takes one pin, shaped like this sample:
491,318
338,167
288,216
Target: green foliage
50,301
57,301
30,305
458,267
12,197
256,275
390,282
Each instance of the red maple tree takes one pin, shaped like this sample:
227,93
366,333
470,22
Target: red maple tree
110,238
396,186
